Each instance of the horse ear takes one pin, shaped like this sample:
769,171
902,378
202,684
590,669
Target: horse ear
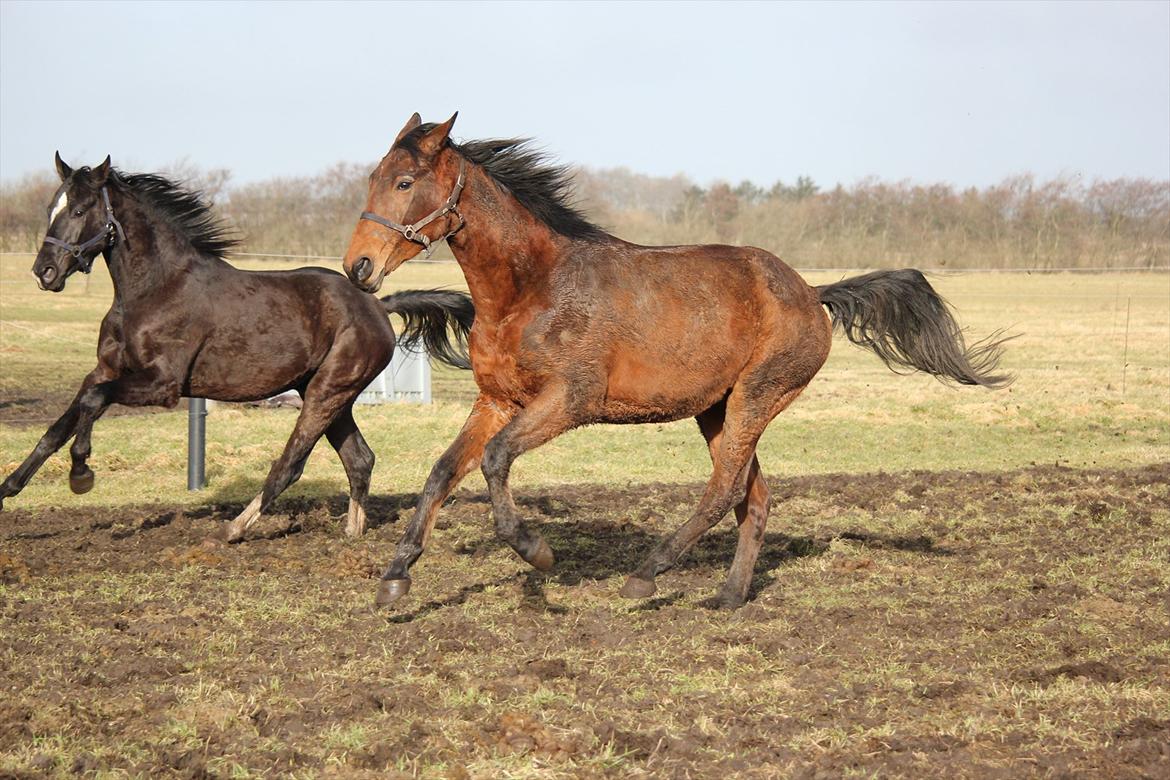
63,170
433,141
101,172
414,121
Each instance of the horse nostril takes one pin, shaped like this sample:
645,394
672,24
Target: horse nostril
48,274
362,269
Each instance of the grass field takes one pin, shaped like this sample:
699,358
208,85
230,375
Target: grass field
1093,389
954,581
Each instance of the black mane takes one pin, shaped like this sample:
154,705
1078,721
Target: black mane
185,209
544,188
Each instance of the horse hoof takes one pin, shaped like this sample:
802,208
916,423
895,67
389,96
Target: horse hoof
728,601
81,483
637,588
355,521
542,559
226,534
390,591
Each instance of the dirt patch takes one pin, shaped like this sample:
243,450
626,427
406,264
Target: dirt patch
900,624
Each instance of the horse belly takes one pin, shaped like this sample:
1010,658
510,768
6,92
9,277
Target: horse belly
248,370
648,390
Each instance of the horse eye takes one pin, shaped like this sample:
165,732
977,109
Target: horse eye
405,185
79,212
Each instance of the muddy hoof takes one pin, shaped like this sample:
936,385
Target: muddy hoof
81,482
728,601
226,534
390,591
637,588
543,558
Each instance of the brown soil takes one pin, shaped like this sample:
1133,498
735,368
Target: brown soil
1008,624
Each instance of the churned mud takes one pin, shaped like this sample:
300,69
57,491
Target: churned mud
923,624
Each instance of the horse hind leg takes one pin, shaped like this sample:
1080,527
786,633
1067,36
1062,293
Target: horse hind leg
317,414
751,513
358,460
752,516
745,421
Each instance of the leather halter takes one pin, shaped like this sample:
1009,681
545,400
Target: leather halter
411,232
111,232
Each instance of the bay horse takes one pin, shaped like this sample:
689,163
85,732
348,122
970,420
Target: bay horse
184,322
574,326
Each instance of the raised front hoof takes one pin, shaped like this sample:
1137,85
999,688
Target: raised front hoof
390,591
542,559
81,482
638,588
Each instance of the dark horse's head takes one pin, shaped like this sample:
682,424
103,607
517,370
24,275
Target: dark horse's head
412,203
80,225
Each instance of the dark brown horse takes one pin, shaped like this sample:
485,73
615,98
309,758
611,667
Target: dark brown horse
574,326
184,322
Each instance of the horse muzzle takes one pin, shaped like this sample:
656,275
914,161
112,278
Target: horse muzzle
49,276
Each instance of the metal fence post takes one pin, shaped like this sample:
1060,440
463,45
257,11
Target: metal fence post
196,442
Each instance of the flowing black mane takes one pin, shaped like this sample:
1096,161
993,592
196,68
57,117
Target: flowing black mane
542,187
185,209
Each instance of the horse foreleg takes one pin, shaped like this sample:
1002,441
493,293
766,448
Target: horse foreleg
52,440
486,419
545,418
93,406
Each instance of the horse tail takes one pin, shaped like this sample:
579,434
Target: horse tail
899,316
440,319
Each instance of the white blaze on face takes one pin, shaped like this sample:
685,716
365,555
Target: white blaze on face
58,207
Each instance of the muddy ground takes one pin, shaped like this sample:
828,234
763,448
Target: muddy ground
923,624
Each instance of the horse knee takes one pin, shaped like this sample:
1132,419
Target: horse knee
441,475
495,462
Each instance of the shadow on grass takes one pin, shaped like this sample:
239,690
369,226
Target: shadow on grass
590,548
305,499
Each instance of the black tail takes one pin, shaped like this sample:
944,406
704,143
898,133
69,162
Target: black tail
899,316
441,319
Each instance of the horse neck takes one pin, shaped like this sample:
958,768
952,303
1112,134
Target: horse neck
502,248
153,253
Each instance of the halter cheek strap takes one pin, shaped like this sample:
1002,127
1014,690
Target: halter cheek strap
111,234
412,232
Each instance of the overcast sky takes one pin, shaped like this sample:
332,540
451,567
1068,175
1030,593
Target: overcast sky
962,93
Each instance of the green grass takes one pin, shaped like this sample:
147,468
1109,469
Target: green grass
1093,389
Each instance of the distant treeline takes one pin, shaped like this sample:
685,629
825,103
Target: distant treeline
1019,223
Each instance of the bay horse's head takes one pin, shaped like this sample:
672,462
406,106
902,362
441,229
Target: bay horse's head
81,225
412,203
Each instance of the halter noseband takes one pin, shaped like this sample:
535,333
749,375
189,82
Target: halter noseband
411,232
112,230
